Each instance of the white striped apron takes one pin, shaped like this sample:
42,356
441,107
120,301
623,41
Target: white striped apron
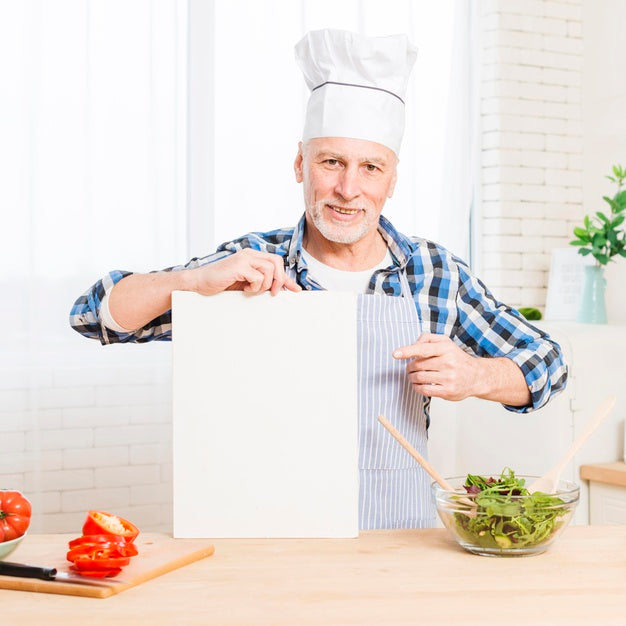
394,490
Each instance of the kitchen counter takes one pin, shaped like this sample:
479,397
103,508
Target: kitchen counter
383,577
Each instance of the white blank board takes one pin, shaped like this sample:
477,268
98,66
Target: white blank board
265,440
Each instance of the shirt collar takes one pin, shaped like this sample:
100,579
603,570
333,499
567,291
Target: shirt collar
400,246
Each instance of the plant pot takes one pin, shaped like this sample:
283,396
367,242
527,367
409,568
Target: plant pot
592,307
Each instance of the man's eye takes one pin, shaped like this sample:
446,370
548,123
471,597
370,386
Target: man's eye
370,167
331,162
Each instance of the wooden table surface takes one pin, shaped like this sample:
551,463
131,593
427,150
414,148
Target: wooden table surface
383,577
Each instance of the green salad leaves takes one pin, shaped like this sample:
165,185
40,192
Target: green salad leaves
502,519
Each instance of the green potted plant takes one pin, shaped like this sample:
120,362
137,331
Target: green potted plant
603,237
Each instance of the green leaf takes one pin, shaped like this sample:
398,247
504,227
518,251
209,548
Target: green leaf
578,242
587,222
618,220
615,206
581,233
530,313
613,180
584,251
603,217
598,240
622,253
600,257
620,199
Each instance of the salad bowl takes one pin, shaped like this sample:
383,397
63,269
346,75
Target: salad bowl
497,515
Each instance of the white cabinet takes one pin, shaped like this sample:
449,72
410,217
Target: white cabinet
607,492
482,437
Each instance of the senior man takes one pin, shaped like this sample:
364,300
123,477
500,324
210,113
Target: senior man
456,339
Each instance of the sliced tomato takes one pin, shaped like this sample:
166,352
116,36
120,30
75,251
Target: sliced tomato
100,522
100,563
118,546
102,573
95,554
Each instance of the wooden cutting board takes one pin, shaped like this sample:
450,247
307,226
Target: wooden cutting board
158,554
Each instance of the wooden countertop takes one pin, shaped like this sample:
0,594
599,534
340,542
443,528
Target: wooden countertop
608,473
383,577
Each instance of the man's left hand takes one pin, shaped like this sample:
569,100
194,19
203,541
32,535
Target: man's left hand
439,368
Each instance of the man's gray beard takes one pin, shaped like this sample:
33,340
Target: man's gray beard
334,232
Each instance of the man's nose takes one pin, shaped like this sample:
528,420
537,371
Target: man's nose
348,186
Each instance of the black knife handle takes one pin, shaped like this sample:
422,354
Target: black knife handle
27,571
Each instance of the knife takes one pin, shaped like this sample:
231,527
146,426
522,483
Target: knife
51,573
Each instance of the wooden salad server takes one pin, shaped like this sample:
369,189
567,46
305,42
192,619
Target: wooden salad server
548,483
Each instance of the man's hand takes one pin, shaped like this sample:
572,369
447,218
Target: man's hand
139,298
247,270
439,368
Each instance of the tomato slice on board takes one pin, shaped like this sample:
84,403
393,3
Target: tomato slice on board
103,573
97,553
100,522
105,547
100,563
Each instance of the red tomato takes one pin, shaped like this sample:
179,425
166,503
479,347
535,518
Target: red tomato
15,512
101,552
100,562
105,547
92,544
103,573
99,523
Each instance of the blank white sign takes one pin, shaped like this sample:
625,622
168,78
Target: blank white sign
265,438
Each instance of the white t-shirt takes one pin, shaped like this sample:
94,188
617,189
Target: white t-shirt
342,280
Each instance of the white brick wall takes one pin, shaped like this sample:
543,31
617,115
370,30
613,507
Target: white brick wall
531,140
90,428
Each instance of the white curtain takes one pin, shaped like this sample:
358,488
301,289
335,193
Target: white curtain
92,178
92,152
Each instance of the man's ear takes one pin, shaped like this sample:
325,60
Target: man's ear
392,183
297,164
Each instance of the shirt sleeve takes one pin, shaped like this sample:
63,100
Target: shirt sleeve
487,327
88,318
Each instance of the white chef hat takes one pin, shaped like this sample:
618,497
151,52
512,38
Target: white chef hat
357,85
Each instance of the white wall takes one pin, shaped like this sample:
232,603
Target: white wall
604,122
74,437
531,74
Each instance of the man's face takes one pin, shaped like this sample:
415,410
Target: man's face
346,183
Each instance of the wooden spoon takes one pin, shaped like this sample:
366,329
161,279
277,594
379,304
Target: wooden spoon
548,483
435,475
430,470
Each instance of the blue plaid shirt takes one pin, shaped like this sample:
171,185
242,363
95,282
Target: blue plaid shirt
448,298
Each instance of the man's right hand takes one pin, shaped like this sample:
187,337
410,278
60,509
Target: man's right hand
139,298
247,270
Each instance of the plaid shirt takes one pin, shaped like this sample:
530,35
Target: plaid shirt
449,301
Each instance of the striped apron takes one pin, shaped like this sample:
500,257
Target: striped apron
394,491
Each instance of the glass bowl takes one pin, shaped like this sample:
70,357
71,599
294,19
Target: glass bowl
503,524
6,547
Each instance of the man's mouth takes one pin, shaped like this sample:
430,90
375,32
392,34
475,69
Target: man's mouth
343,210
